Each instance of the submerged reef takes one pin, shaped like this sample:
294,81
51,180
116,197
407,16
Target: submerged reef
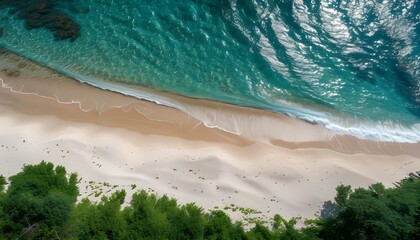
44,13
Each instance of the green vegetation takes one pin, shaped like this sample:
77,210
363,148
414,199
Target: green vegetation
40,203
376,213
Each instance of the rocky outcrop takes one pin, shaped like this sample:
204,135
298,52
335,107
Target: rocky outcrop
44,13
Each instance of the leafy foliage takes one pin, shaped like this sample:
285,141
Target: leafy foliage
376,213
39,203
2,183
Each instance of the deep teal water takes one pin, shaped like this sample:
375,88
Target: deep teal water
353,66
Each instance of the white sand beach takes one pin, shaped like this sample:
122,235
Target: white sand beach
277,165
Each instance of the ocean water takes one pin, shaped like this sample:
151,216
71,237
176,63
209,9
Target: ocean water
353,66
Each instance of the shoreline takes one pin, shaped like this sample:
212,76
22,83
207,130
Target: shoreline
109,137
340,125
242,119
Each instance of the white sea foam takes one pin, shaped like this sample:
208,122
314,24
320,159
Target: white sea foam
257,127
386,131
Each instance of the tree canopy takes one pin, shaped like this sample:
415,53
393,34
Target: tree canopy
40,202
376,212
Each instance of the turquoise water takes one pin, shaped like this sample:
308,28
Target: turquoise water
353,66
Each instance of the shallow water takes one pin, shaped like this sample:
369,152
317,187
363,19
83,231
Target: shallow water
354,67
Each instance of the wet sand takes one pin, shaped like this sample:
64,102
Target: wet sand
276,165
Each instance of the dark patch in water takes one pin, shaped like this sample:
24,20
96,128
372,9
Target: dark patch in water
44,13
11,72
1,32
408,88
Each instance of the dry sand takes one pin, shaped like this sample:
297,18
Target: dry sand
278,164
